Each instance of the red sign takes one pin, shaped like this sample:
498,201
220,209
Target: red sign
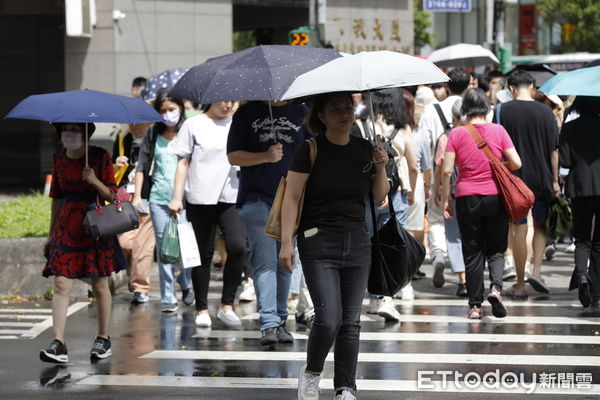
527,30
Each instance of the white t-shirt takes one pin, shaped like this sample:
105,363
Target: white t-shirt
431,125
211,179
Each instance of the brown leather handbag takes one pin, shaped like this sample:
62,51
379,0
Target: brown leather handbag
273,226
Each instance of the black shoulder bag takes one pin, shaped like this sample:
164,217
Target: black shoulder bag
395,255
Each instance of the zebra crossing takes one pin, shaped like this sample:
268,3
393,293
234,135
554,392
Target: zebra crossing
548,348
28,323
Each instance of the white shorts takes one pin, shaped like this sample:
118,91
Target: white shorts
416,212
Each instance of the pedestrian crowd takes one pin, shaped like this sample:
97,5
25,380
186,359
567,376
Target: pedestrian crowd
218,166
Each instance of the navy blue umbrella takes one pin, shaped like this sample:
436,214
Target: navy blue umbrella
258,73
84,106
164,80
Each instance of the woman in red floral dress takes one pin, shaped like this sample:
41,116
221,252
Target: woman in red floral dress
72,252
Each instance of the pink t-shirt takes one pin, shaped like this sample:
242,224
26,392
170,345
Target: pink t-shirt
474,171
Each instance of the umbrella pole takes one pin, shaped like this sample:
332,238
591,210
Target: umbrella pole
372,115
272,122
86,145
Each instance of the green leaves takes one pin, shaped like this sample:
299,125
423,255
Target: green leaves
422,21
26,216
583,15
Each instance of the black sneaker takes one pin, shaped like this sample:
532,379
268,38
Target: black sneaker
461,291
283,336
55,353
100,349
269,336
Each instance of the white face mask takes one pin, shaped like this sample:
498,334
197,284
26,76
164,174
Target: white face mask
71,140
171,118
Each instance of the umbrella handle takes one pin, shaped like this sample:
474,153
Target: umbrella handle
372,115
86,145
272,121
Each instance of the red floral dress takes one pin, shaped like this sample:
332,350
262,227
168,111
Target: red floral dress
75,254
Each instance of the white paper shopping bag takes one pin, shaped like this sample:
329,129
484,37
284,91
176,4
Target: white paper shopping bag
188,247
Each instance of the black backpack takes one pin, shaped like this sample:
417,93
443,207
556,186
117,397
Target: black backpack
391,168
447,128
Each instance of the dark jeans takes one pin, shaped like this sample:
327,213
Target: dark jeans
204,219
336,269
483,225
587,243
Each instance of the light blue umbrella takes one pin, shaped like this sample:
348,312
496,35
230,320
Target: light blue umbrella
579,82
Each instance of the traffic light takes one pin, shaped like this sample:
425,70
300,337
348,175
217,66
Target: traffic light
303,36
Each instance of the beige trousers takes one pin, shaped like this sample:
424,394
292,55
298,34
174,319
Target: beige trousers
138,248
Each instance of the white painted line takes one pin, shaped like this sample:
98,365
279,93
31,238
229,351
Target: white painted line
26,310
12,331
16,324
42,326
8,337
464,303
533,320
426,337
425,358
363,317
366,385
19,316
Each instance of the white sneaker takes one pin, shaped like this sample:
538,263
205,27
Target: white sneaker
229,318
203,320
248,293
387,310
346,395
570,248
373,306
292,305
308,385
406,293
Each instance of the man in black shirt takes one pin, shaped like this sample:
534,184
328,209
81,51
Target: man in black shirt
533,130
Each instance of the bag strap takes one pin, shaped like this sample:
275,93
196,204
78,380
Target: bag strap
481,144
445,122
374,218
394,134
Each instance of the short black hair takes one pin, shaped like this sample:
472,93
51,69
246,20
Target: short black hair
139,81
520,78
459,80
494,74
586,105
474,103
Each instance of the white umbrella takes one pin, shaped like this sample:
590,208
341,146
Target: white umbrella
463,55
365,71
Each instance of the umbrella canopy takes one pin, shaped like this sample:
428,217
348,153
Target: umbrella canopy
579,82
540,72
164,80
365,71
84,106
463,55
257,73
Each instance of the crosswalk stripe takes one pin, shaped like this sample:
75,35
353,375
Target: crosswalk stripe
505,359
16,324
47,323
530,320
26,310
464,303
19,316
374,385
426,337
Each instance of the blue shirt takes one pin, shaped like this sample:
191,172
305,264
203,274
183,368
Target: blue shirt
253,130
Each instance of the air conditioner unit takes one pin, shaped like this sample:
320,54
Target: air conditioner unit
80,17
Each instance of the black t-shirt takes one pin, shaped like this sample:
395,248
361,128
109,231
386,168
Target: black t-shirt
533,130
251,131
337,185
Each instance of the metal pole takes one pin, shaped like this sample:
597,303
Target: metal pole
272,122
489,33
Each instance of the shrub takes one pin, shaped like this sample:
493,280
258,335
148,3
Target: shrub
26,216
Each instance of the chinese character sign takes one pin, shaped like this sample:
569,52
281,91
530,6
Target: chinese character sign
447,5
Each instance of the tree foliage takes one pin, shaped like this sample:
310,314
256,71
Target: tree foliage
584,15
422,21
243,40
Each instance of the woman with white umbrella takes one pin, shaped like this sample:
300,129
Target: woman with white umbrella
333,242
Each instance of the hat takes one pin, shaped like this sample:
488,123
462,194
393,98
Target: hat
91,127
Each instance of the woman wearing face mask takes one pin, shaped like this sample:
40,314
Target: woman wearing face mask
72,253
210,201
156,169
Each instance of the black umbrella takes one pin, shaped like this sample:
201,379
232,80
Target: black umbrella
540,72
258,73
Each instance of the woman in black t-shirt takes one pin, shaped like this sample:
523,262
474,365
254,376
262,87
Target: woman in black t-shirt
332,238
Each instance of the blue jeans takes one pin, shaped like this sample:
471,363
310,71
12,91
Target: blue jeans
160,215
453,242
271,283
400,206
